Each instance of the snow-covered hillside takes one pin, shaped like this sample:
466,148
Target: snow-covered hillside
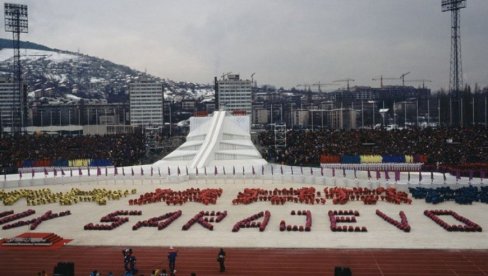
30,54
60,73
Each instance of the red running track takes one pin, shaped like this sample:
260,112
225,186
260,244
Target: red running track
15,262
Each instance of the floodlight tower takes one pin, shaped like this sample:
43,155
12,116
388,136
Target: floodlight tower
16,22
456,70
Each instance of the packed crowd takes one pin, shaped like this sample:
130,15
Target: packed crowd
443,145
122,149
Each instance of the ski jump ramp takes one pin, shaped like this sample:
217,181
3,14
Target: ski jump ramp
218,140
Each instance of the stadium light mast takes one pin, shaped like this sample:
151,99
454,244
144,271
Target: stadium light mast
456,70
16,22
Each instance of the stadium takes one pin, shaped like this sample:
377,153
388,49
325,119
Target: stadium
216,191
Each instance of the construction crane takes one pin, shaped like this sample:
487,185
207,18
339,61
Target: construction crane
381,79
346,81
309,94
322,84
305,86
225,75
402,76
422,81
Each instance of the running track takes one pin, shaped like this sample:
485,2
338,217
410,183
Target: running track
18,262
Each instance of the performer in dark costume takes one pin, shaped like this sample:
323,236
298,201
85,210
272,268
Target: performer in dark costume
221,259
129,262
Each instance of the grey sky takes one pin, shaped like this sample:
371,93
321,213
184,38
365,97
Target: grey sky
283,42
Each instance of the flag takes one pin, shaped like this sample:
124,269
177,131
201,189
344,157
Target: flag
215,170
62,172
33,172
408,176
431,175
159,171
378,174
355,175
291,170
262,169
142,171
115,171
369,174
333,172
281,169
233,170
186,169
223,169
45,172
344,172
397,175
243,171
196,171
70,172
311,171
132,171
123,171
321,170
387,175
444,176
20,174
178,170
169,171
253,172
152,171
80,172
272,173
99,172
420,176
55,172
106,172
88,170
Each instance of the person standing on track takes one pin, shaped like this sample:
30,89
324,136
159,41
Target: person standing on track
172,253
129,262
221,259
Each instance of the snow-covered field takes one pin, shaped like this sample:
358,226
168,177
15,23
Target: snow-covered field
424,234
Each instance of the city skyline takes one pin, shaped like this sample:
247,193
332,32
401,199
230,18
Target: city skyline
284,42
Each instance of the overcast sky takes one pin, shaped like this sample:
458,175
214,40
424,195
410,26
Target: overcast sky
284,42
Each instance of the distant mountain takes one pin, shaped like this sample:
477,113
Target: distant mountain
62,74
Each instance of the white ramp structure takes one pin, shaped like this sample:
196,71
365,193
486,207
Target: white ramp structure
219,140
